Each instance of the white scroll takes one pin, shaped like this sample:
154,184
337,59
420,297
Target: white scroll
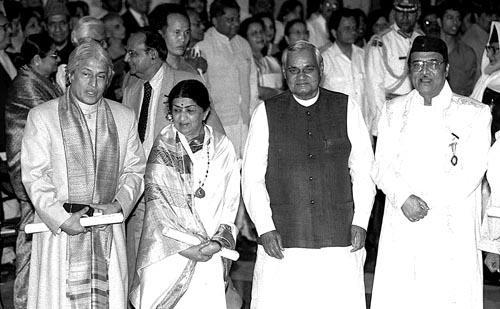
193,241
84,221
494,212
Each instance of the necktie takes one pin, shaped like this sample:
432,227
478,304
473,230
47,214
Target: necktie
143,117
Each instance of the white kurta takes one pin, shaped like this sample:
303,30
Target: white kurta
434,262
318,30
44,175
379,79
345,75
232,76
219,206
490,228
307,278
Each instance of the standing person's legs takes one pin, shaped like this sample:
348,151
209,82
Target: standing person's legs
134,231
23,257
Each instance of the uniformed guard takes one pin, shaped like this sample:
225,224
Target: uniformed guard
386,60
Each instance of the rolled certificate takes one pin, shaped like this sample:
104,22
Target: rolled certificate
193,241
494,212
85,222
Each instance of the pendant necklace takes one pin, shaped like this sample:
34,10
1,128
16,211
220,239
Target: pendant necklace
200,192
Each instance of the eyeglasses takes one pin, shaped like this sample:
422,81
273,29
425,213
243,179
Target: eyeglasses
54,55
492,49
306,70
331,5
134,54
418,65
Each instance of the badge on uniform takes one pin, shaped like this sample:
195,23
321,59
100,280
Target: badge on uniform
453,145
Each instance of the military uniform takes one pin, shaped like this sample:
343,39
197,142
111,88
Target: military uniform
386,70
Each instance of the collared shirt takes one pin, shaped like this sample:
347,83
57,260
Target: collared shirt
345,75
90,116
156,82
254,188
232,75
386,70
318,30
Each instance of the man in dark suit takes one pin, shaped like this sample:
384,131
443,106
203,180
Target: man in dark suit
135,16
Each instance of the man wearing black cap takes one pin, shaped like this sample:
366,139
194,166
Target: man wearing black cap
386,58
430,160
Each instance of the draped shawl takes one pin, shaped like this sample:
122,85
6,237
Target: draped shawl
29,89
92,179
169,205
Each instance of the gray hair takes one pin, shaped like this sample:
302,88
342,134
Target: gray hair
87,27
89,50
302,45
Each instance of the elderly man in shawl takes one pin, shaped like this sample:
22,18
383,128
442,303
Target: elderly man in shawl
31,87
81,148
430,160
193,187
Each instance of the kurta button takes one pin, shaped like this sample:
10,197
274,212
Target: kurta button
310,156
308,113
312,202
310,178
309,133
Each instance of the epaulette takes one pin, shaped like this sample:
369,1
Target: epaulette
376,42
462,100
376,39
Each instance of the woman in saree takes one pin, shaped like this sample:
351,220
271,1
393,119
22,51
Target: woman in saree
32,86
192,186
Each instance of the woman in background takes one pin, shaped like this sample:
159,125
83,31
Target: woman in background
269,75
32,86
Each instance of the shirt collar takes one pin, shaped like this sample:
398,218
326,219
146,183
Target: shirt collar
219,35
309,102
441,101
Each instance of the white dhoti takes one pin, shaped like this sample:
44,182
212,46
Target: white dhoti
310,278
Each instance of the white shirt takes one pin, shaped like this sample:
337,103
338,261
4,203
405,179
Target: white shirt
254,188
149,136
318,30
345,75
379,80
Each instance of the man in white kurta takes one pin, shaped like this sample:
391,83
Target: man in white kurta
386,59
431,157
345,67
294,270
45,173
231,72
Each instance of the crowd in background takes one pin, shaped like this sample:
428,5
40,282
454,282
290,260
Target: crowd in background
236,49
